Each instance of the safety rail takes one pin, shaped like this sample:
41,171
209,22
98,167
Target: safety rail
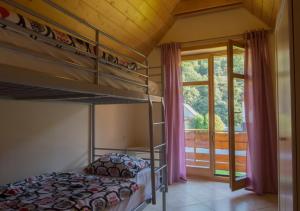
98,60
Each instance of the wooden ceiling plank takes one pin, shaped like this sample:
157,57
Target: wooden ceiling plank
266,10
113,24
169,4
161,25
132,15
146,11
160,10
248,4
268,7
149,12
118,19
277,4
193,6
258,4
97,19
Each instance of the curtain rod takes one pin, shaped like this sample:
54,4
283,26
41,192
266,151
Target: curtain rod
239,36
214,39
207,40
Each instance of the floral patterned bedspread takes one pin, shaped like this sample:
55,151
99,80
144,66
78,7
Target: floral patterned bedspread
65,191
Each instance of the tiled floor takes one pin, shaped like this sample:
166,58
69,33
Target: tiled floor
201,195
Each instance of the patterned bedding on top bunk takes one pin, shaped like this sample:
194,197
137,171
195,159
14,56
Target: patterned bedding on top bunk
77,44
65,191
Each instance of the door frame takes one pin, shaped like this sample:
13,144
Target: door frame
241,183
202,171
211,109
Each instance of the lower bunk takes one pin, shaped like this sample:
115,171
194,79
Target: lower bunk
114,182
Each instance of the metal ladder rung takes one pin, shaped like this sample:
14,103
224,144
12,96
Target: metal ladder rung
160,187
159,146
158,123
160,168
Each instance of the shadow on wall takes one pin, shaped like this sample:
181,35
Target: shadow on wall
39,137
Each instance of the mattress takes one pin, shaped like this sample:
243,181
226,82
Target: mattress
26,61
69,191
66,191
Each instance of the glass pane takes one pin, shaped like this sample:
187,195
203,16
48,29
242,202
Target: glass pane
221,116
241,141
196,70
196,126
238,60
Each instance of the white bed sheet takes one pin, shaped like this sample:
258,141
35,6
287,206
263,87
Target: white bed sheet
143,179
25,61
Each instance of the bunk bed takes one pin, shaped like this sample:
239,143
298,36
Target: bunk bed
54,63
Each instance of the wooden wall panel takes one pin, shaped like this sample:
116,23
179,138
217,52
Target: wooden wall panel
266,10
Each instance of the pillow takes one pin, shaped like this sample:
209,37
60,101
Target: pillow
117,165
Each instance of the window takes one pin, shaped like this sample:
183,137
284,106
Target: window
196,112
206,115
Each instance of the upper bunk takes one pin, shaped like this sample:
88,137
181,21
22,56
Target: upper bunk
47,61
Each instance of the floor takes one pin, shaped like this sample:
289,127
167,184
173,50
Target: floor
202,195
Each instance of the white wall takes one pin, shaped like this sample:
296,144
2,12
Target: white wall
39,137
115,126
212,25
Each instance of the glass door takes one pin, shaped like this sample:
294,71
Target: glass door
221,139
196,92
214,114
236,108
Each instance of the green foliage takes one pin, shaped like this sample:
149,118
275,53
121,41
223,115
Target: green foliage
202,122
194,70
238,61
198,121
219,124
197,96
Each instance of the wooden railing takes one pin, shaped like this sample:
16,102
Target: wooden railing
198,154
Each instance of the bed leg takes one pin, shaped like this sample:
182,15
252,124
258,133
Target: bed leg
164,200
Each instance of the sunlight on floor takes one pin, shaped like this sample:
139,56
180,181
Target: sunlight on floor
202,195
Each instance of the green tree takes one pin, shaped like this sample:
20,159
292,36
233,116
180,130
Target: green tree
202,122
219,124
197,96
198,122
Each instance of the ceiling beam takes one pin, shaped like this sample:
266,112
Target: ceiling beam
187,7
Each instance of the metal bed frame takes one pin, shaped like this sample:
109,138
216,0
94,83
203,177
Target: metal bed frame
18,84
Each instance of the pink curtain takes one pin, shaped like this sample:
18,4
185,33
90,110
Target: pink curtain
171,58
260,116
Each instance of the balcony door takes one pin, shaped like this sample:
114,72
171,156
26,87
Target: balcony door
236,107
197,93
206,90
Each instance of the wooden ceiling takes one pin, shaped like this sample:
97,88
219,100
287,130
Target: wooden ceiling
266,10
186,7
141,23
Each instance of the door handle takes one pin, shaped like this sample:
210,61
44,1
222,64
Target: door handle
283,139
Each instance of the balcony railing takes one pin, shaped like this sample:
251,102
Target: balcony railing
198,153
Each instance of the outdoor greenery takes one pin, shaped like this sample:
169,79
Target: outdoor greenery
197,96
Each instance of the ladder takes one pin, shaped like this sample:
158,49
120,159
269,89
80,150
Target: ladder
160,149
